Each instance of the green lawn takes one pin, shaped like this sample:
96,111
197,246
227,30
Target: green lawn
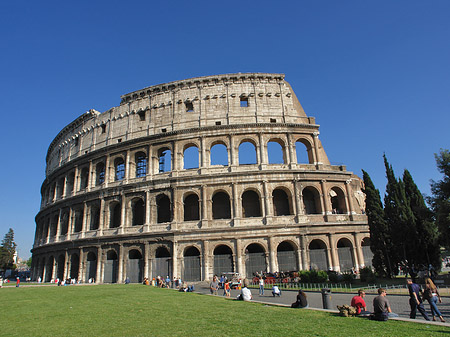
137,310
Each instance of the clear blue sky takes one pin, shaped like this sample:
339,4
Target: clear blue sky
375,74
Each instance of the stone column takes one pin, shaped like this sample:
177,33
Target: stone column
263,157
358,250
317,160
147,211
84,222
81,273
174,259
123,213
90,175
267,198
273,255
291,157
333,253
107,172
233,158
304,250
127,166
69,224
203,152
325,198
54,269
58,226
146,259
204,206
206,260
76,181
67,265
348,197
297,199
120,264
98,276
101,220
240,266
236,207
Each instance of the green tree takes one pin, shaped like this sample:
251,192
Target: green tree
440,199
29,261
7,251
425,241
380,238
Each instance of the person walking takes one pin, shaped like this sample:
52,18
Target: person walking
415,300
431,294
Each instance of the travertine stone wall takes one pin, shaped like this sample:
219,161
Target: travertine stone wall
105,197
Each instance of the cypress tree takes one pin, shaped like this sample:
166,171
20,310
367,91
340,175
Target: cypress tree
380,239
426,247
399,218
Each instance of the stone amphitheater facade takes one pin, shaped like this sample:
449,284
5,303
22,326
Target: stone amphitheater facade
194,178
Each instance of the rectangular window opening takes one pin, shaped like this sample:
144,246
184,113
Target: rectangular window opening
244,102
218,123
273,120
103,128
119,140
141,115
189,107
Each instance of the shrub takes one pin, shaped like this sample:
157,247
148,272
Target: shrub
367,275
313,276
348,277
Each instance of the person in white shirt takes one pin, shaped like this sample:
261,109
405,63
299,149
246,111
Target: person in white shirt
276,291
246,294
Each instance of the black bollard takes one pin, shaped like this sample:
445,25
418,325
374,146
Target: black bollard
326,298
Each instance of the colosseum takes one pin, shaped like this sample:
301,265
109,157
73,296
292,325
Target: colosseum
194,178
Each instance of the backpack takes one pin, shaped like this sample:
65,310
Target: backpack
347,310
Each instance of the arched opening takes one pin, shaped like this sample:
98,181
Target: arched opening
337,201
318,255
78,220
135,266
344,248
255,260
367,252
60,267
99,174
280,203
162,263
287,259
250,204
190,156
191,208
304,152
192,267
70,183
74,266
95,217
219,155
247,153
164,160
221,206
275,152
91,266
115,215
64,222
311,200
60,188
138,212
110,267
163,208
54,226
119,169
49,269
141,164
84,178
223,260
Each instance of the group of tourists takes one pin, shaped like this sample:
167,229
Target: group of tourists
382,309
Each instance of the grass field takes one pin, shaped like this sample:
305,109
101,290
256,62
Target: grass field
137,310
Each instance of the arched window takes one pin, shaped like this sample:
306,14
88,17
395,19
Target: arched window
115,215
138,212
247,153
119,168
60,189
287,259
100,173
95,217
311,200
78,220
280,203
191,211
190,157
219,155
84,178
163,208
337,201
221,206
70,183
141,164
192,266
304,152
255,261
275,153
64,222
223,260
250,204
165,160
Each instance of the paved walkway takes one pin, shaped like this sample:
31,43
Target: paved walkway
399,303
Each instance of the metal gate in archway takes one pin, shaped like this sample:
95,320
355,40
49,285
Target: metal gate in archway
134,270
162,266
368,256
91,269
287,261
223,264
345,258
192,268
255,263
318,259
110,271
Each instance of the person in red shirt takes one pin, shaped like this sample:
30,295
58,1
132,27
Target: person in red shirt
359,303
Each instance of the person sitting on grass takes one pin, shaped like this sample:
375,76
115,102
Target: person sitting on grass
246,294
381,308
359,303
301,301
276,291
